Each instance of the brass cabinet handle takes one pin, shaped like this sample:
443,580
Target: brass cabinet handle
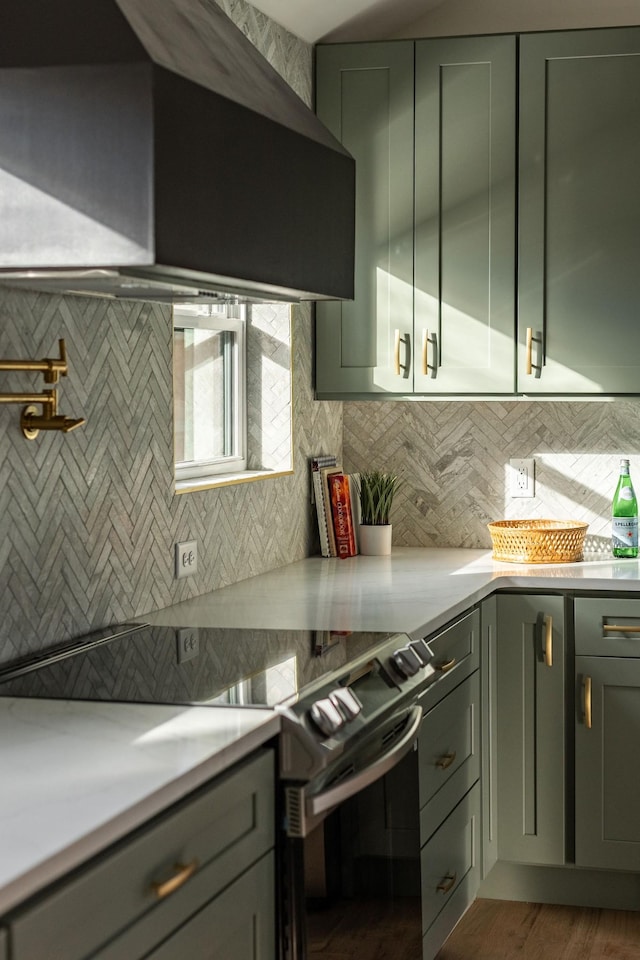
445,760
548,639
182,873
425,353
396,353
620,628
447,882
528,360
586,683
447,665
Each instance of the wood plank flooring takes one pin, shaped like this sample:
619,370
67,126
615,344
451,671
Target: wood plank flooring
506,930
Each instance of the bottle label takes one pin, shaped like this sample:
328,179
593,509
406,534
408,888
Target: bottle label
624,532
626,494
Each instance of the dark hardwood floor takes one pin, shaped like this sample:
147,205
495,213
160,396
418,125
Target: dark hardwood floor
505,930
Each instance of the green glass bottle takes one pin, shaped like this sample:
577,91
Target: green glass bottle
624,512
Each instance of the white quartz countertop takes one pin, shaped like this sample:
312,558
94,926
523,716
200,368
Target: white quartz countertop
414,590
78,776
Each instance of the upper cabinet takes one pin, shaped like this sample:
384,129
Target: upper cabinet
579,156
440,307
435,217
464,215
365,97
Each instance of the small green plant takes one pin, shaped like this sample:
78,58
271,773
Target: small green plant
376,490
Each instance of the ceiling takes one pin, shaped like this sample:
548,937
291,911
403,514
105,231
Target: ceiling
313,20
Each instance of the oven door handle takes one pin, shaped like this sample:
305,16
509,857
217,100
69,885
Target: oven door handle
328,799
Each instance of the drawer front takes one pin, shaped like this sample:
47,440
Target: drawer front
221,831
607,627
449,753
456,653
450,861
238,925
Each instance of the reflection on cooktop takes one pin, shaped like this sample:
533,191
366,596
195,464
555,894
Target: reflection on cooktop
194,665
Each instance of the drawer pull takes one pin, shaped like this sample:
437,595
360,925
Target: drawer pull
445,760
447,883
182,873
396,353
548,640
621,628
586,683
446,665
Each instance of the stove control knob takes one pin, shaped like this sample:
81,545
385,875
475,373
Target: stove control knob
406,661
326,717
423,651
346,703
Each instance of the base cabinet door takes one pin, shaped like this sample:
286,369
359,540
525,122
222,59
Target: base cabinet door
608,762
238,925
531,729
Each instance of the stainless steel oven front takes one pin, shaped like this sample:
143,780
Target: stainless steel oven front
350,846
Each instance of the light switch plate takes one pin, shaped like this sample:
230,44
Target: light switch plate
186,558
522,477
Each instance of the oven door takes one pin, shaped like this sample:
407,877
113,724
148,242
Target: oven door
351,856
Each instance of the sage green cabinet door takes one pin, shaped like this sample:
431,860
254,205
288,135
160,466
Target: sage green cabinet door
489,722
579,244
465,215
608,763
365,97
531,729
238,925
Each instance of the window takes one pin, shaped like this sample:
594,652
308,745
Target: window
209,390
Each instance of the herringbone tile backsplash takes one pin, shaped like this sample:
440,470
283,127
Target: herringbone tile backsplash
452,458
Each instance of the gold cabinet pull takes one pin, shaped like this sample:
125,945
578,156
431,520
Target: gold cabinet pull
396,353
528,359
425,353
447,883
548,639
621,628
182,873
445,760
586,683
447,665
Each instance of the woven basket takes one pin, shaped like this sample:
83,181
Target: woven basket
538,541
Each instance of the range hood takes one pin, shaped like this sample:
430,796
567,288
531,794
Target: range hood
148,151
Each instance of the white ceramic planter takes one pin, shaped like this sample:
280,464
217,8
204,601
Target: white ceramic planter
375,541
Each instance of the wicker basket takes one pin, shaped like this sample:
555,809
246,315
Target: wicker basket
538,541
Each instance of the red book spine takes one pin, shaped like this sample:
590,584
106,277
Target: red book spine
341,514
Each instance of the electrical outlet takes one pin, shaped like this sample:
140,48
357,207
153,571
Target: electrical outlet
522,477
186,558
187,643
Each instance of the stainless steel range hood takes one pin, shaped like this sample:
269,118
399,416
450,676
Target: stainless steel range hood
148,151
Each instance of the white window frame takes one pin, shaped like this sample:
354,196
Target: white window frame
216,317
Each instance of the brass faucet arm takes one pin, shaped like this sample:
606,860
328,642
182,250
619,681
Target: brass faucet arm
51,367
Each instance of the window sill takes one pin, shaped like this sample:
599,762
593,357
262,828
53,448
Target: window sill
227,480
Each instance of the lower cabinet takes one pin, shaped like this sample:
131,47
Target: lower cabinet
196,882
450,804
531,747
607,670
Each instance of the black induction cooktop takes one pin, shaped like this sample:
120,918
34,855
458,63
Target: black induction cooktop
135,662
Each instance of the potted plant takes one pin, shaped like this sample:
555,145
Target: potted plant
376,490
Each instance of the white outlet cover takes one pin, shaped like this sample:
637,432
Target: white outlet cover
522,477
186,559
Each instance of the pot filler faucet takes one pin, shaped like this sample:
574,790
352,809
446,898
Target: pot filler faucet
49,419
